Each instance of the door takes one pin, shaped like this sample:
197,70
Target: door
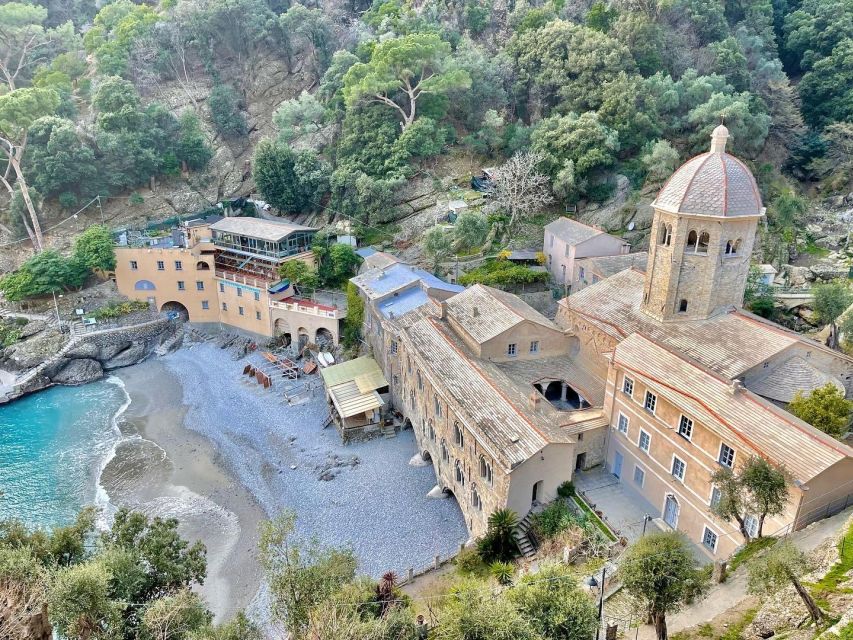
670,512
617,464
580,462
536,488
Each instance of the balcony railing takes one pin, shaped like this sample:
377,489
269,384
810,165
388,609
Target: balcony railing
309,307
250,281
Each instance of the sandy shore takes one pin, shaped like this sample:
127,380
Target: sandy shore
164,469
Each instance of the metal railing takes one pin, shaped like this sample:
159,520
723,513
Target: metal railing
309,307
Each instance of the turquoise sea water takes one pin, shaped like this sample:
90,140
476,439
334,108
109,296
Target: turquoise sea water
53,445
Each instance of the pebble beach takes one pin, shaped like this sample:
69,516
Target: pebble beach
222,454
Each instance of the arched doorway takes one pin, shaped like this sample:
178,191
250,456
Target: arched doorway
670,511
177,308
324,338
281,330
302,333
536,494
426,456
407,424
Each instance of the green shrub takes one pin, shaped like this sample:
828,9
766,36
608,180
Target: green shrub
9,334
502,273
554,519
502,572
566,490
468,561
67,199
118,309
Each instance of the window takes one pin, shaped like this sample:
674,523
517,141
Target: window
551,241
704,241
736,246
679,467
199,285
241,311
257,315
225,306
459,473
727,455
682,306
628,386
645,441
134,265
409,366
221,287
205,305
257,295
412,398
444,455
394,347
161,266
709,540
639,476
650,402
581,273
458,435
239,293
475,499
437,404
622,423
181,285
420,382
485,470
431,431
665,237
692,237
179,266
534,346
729,248
511,349
685,427
716,495
580,437
750,523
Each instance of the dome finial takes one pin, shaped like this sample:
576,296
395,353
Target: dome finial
719,137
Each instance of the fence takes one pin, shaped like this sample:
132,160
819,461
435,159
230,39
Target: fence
438,562
830,509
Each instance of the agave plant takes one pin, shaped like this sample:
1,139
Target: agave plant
386,591
502,572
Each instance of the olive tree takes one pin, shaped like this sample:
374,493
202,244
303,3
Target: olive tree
660,570
781,565
831,300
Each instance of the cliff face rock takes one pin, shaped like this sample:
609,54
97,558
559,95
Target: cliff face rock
32,352
78,371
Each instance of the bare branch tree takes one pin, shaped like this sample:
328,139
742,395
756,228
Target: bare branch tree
519,188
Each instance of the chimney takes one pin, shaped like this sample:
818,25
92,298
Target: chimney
535,399
737,386
442,307
476,312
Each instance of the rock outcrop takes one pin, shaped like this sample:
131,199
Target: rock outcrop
78,371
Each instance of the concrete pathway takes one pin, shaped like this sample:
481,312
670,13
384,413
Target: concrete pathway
723,597
623,509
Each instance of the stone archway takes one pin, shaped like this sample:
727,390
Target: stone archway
176,307
324,338
281,329
303,337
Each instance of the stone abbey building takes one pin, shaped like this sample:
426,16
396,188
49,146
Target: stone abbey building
660,376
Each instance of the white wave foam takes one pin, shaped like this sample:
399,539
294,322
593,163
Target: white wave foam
106,509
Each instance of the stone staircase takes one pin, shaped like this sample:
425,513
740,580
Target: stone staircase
168,345
523,536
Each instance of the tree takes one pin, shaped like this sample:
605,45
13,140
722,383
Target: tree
411,66
79,603
289,181
298,117
830,301
315,31
192,147
757,490
556,608
779,566
58,159
23,40
225,111
298,272
95,248
176,616
437,245
825,408
758,296
18,110
471,230
238,628
301,574
472,614
660,160
23,585
499,541
519,188
600,17
845,329
355,316
786,212
660,570
833,155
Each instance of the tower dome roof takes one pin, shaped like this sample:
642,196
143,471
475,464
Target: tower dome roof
712,184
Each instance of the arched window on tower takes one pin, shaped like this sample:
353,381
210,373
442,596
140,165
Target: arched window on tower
476,502
704,241
736,246
682,306
665,237
729,248
485,470
460,473
692,238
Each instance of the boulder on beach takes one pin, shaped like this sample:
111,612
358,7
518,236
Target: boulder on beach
417,461
79,371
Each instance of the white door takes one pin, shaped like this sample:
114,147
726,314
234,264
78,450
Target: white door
670,512
617,464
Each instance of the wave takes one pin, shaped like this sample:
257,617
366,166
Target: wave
106,509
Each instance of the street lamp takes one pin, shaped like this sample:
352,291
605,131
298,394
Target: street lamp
593,584
56,308
646,519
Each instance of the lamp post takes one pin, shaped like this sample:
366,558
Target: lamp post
56,308
646,519
593,584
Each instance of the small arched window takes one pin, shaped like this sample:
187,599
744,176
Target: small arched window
682,306
692,237
704,241
431,431
420,382
444,455
485,470
437,405
736,246
412,398
475,499
202,266
460,473
665,237
729,248
458,435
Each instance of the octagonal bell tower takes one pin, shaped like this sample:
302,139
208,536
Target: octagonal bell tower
705,219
